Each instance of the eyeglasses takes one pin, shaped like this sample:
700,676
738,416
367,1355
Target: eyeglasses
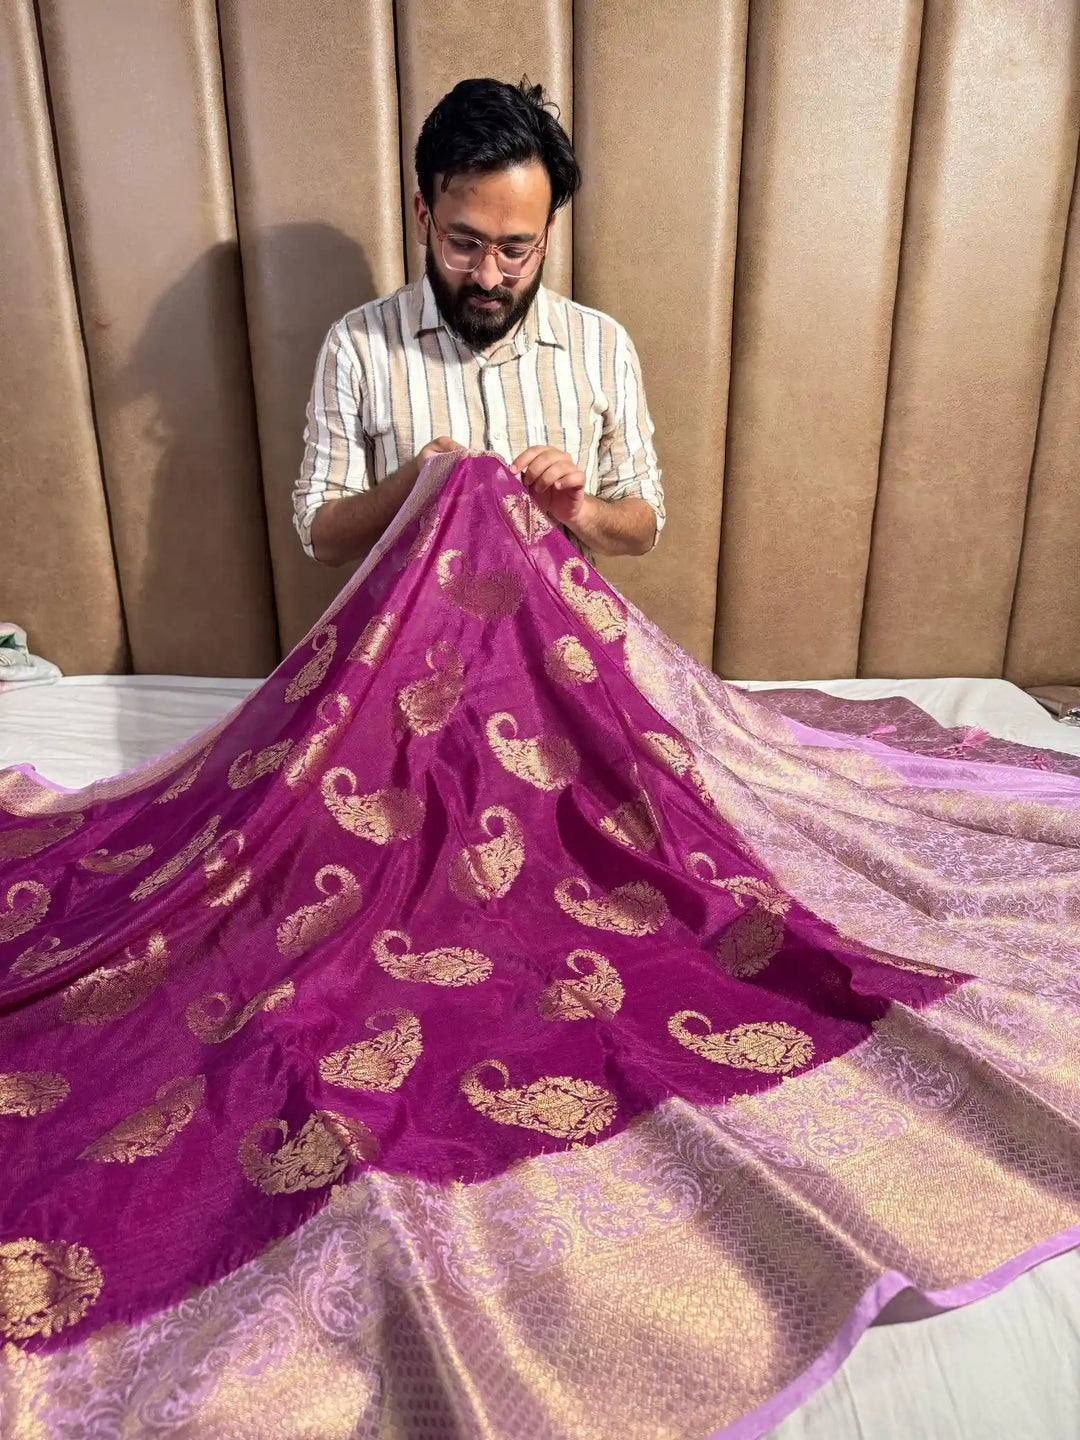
462,252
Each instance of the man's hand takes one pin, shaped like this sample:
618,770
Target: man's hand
554,480
438,446
346,527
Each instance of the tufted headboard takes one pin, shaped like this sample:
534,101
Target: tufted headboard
838,232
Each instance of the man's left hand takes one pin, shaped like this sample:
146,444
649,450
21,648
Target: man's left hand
554,480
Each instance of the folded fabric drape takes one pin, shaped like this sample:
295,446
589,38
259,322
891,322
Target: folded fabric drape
498,1025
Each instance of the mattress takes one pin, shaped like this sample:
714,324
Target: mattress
1008,1366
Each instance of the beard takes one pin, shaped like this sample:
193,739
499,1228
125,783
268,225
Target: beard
478,327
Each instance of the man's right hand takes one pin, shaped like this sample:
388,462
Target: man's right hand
346,527
438,446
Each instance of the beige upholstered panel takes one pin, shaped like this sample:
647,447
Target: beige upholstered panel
844,293
1044,636
654,245
443,41
991,173
825,151
317,181
56,569
136,95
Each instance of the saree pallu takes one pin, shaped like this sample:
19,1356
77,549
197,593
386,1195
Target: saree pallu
500,1027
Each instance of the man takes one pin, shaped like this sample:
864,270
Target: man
479,355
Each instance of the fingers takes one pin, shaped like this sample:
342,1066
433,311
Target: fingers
557,474
525,459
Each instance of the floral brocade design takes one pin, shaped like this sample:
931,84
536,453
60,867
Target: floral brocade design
22,844
31,1092
26,905
526,518
313,673
381,1063
562,1106
489,595
568,662
547,762
248,767
487,870
633,909
112,991
425,705
152,1129
600,611
316,1155
311,924
168,872
383,816
44,1287
770,1046
596,992
101,862
445,966
209,1020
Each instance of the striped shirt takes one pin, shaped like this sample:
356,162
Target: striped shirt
392,376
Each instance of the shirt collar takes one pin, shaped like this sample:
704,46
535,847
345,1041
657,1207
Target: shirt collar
544,322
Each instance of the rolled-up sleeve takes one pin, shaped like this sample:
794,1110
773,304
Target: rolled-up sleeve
626,464
335,449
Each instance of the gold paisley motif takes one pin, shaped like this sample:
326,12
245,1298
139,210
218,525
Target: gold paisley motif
677,759
491,595
21,844
769,1046
632,824
425,705
312,924
31,1092
600,611
434,967
526,518
152,1129
596,993
247,768
45,1285
209,1021
180,861
549,762
425,535
375,640
382,817
22,914
226,878
100,862
379,1064
44,955
750,942
185,779
747,889
323,643
335,711
558,1105
487,871
634,909
112,991
568,662
320,1152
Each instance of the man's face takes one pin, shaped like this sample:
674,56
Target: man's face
503,207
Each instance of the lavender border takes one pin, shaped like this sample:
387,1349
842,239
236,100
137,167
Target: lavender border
923,1303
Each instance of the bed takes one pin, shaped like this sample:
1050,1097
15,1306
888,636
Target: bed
1009,1366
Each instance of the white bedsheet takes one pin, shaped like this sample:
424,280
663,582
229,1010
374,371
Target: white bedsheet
1006,1367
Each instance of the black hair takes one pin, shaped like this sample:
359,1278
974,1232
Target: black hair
486,125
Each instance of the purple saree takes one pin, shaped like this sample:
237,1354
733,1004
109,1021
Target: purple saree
498,1026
